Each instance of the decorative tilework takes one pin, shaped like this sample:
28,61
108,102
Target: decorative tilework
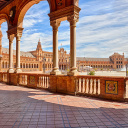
111,87
32,80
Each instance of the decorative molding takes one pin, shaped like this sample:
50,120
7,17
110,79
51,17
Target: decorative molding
64,12
17,31
73,19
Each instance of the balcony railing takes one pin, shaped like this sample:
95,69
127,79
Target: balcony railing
88,85
113,88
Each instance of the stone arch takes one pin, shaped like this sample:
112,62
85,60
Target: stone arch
4,18
24,10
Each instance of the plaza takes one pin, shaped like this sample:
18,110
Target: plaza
33,108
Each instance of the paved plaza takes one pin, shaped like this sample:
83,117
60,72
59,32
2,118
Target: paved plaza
22,107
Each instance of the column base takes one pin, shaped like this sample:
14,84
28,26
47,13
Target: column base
10,70
55,72
18,70
73,73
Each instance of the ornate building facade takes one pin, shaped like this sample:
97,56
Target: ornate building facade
114,62
40,60
37,60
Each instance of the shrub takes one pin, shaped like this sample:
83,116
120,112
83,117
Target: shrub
91,73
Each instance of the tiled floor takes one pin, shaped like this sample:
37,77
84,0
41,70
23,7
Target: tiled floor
30,108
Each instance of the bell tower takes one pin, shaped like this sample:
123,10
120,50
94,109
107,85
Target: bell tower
39,51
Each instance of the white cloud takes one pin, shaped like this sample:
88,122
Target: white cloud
102,29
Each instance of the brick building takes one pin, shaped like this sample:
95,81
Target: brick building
37,60
114,62
40,60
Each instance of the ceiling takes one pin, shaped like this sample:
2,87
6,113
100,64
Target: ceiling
3,2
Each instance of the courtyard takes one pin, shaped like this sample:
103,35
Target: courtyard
33,108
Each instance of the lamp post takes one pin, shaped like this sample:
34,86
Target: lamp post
44,59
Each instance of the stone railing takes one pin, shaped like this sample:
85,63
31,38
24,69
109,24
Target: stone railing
114,88
88,85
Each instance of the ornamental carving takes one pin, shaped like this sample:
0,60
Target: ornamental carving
55,24
73,19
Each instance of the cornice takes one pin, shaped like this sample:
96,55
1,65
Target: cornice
67,11
15,30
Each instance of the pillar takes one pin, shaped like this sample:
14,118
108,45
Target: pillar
0,49
11,37
72,20
18,70
55,24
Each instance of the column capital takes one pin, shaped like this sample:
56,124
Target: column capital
19,32
73,19
55,24
11,38
16,31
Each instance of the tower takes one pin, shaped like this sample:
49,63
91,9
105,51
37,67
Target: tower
39,51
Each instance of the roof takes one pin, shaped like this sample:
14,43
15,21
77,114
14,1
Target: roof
116,54
91,59
24,54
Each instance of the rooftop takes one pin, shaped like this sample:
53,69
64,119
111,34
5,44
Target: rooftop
24,54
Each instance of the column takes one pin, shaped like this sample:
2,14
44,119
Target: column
11,37
55,24
72,20
18,70
0,48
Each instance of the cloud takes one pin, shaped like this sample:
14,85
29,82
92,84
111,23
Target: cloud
102,29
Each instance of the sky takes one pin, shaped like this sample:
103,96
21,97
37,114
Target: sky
102,29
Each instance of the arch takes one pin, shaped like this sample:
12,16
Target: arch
4,18
24,10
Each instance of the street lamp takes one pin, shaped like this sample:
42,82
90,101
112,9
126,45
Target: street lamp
44,59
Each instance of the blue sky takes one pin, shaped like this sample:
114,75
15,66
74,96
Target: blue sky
102,29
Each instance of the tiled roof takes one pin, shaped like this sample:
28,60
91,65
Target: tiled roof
24,54
116,54
91,59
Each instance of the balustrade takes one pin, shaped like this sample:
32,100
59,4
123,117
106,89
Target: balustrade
115,88
88,85
43,81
